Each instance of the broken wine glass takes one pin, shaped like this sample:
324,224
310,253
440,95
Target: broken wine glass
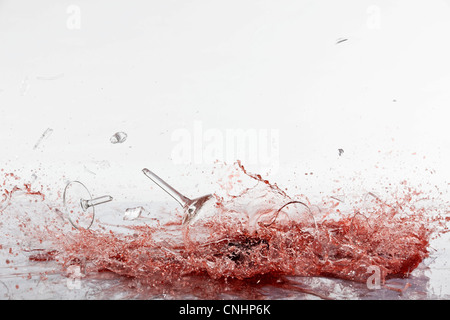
192,207
79,204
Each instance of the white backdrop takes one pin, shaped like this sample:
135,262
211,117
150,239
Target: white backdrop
369,77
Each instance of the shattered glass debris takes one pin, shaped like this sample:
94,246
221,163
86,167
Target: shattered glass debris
133,213
44,136
118,137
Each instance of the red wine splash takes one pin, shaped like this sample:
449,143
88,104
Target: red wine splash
260,232
247,235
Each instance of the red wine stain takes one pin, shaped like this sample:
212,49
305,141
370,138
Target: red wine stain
44,255
26,187
29,191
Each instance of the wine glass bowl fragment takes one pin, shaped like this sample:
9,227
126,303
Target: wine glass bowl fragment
193,210
133,213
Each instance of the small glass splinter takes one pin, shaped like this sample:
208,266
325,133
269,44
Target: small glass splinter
133,213
118,137
191,207
79,204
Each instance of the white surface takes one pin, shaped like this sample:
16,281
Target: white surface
148,68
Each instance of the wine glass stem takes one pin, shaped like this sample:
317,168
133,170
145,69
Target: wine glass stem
182,200
85,204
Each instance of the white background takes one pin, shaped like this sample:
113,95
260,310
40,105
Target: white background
149,68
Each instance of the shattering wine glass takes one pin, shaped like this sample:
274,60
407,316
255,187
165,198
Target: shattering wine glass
191,207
